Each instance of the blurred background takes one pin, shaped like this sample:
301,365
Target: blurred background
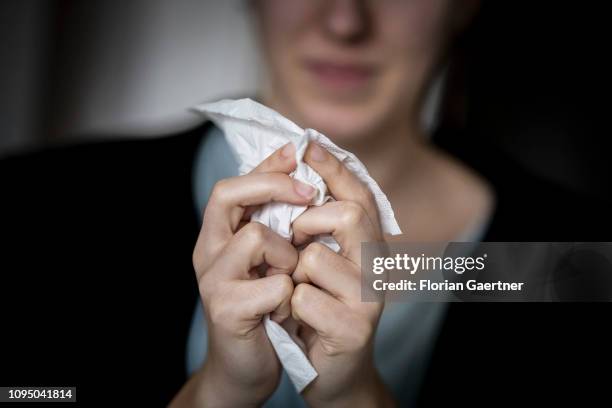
74,69
528,77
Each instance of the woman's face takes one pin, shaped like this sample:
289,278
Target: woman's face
351,68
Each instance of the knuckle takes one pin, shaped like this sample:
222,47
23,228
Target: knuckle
351,213
299,296
220,191
311,256
207,286
220,313
196,260
254,233
199,259
284,285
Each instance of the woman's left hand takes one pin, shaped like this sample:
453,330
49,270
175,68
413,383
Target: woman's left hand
336,326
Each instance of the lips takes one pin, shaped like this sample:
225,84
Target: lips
340,76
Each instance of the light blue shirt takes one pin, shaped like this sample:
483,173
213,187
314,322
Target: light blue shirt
406,332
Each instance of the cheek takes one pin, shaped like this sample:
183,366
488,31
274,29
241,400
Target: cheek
282,19
413,32
282,23
413,26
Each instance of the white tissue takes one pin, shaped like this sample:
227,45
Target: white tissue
254,132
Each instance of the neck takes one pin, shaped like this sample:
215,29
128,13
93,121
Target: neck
396,149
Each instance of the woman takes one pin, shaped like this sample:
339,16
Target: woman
358,72
114,240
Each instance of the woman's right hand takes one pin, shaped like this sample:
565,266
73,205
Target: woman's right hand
241,368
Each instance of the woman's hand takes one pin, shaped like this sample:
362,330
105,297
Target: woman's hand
337,327
241,368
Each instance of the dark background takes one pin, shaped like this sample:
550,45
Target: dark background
537,87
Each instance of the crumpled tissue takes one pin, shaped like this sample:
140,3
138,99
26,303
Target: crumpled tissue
253,132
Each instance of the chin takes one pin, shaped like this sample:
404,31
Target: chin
342,124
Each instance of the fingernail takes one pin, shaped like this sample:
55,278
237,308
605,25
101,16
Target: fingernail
317,153
304,189
288,150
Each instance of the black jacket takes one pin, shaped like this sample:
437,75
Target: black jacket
97,287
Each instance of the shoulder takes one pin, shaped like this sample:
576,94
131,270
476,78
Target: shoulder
529,207
103,156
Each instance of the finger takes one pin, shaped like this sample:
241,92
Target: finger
253,245
342,183
318,310
282,161
324,268
346,221
270,294
238,306
340,328
230,196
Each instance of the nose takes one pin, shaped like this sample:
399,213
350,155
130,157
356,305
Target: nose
346,20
